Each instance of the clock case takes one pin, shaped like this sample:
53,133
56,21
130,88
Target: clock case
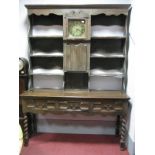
76,62
67,19
23,86
24,70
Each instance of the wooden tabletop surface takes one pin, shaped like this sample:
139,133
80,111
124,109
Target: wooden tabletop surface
74,94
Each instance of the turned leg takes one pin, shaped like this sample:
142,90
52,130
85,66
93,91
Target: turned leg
25,132
117,125
123,133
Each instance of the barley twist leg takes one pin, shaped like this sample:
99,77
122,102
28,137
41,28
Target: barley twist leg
25,132
123,133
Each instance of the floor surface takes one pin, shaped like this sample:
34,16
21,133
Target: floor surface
73,144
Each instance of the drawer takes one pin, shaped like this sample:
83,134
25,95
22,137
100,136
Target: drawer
73,106
107,106
36,105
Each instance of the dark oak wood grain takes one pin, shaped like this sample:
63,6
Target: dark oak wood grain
76,57
111,38
75,94
77,101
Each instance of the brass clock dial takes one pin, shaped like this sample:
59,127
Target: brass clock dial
21,65
76,28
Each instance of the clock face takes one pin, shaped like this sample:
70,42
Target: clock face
21,65
76,28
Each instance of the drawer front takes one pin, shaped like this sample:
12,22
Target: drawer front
50,105
39,105
107,106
